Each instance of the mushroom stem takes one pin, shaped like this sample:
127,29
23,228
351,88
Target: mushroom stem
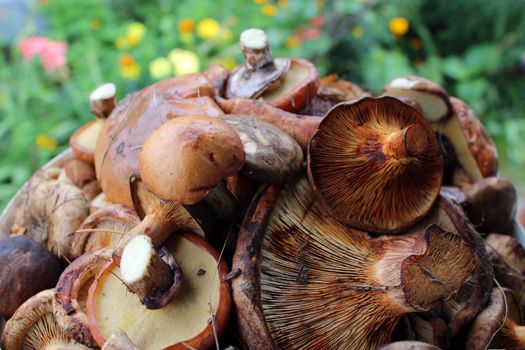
103,101
300,127
409,142
147,274
256,50
119,341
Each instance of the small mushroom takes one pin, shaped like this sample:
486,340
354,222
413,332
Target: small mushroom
197,315
307,281
376,164
283,82
26,268
271,155
300,127
431,98
136,117
102,228
218,77
34,326
71,293
84,140
333,90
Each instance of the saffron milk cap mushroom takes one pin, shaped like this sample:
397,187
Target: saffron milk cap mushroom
375,164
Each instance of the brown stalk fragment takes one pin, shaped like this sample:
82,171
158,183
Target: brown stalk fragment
34,326
375,164
103,100
349,285
71,293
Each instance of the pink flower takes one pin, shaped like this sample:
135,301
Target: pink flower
54,56
31,47
52,53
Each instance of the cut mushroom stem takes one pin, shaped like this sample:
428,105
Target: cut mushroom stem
103,101
255,48
154,277
119,341
406,143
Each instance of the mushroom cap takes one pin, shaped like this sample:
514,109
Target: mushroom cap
366,177
480,144
185,320
307,281
271,155
431,98
33,326
26,268
84,141
135,118
187,157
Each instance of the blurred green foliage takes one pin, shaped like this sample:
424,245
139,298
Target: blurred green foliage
475,49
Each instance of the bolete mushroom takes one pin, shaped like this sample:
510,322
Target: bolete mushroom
84,140
375,164
136,117
180,163
197,315
34,326
71,294
26,268
286,83
307,281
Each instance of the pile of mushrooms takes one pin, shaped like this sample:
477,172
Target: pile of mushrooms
266,208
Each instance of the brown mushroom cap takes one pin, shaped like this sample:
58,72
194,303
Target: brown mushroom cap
136,117
33,326
431,98
185,320
271,155
71,294
84,141
26,268
376,164
308,281
187,157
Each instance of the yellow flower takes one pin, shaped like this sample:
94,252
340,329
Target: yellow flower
184,61
260,2
121,42
160,68
269,10
186,26
208,28
399,26
129,69
95,24
283,3
45,142
137,30
292,42
357,32
132,40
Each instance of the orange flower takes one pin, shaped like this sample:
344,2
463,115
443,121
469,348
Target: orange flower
126,60
399,26
186,26
269,10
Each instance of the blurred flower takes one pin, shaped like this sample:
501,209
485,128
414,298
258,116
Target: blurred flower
357,32
129,69
121,42
208,28
260,2
318,21
226,34
45,142
95,24
160,68
33,46
283,3
52,53
134,35
399,26
186,26
292,42
415,43
307,33
269,10
184,61
137,30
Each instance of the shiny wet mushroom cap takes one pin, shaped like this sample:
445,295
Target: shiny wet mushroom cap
376,164
34,327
